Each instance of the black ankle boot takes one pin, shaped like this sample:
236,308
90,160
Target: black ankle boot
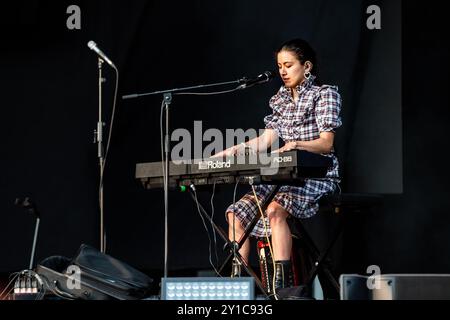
283,274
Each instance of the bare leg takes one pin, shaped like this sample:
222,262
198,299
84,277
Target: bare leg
281,234
239,231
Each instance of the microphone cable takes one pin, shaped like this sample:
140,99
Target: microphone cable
206,228
108,144
212,221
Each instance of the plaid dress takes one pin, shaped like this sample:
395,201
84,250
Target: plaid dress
317,111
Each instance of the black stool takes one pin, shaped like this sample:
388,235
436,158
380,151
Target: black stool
308,260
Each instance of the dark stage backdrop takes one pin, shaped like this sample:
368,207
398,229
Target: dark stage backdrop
49,111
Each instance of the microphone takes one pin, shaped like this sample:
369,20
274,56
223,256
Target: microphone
262,78
93,46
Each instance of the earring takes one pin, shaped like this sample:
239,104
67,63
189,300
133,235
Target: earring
307,75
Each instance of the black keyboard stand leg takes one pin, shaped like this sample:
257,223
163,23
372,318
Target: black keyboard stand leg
234,247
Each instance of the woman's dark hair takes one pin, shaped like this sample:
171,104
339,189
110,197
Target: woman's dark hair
302,50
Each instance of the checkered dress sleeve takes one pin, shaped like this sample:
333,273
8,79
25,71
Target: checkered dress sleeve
328,107
271,121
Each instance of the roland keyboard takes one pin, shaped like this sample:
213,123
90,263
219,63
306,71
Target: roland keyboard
288,168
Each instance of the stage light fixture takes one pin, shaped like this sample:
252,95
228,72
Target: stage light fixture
201,288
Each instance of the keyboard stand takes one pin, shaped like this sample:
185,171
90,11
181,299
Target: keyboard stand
235,246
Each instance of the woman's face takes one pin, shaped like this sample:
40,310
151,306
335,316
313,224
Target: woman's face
292,72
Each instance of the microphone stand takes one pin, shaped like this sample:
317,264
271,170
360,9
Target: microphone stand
138,95
168,96
167,102
98,138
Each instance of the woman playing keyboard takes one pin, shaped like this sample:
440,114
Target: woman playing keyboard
305,116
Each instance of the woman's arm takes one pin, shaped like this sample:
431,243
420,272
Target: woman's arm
258,144
323,145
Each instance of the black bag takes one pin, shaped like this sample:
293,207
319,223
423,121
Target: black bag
98,277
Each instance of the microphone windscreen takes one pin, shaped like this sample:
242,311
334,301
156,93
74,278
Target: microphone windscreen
91,45
269,74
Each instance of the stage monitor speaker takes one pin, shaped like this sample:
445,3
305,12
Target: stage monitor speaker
93,275
395,287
